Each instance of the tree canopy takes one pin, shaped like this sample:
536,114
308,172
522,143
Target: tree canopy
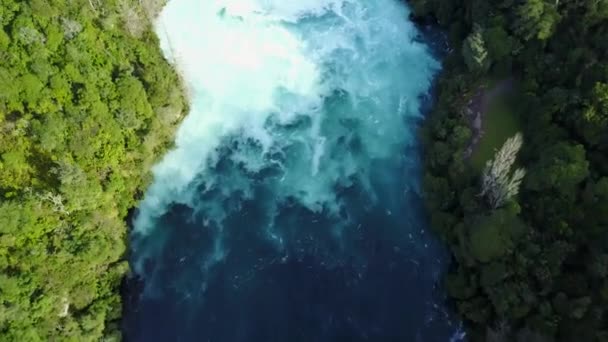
534,268
87,102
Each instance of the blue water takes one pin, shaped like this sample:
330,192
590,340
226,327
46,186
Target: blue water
289,209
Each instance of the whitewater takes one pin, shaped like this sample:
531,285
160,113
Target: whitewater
289,207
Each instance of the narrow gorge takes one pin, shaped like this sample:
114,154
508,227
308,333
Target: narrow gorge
289,208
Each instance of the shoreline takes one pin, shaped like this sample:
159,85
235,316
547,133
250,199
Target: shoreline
522,270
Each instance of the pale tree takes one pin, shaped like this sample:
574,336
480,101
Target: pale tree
474,51
499,184
152,7
30,35
134,21
56,200
71,28
96,5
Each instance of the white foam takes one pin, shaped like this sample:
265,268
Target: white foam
253,66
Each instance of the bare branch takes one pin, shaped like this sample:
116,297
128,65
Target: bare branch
56,201
134,21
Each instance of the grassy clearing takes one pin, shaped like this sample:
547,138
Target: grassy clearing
499,123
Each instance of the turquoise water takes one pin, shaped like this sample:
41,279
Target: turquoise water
289,209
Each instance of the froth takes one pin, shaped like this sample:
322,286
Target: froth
317,90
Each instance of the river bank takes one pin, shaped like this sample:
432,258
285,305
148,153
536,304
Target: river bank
522,271
87,105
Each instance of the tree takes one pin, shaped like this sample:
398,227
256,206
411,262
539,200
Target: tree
499,43
79,100
56,201
513,265
596,11
593,123
152,7
561,167
595,199
71,28
474,51
498,184
134,21
501,333
535,19
527,335
492,236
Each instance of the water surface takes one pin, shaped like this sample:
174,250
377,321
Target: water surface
289,209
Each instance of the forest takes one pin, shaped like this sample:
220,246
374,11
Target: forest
87,104
527,224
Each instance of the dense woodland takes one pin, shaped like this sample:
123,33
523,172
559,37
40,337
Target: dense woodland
529,232
87,103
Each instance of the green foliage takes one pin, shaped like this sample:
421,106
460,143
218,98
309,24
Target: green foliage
561,167
540,264
595,200
535,19
460,286
593,123
493,236
499,43
83,113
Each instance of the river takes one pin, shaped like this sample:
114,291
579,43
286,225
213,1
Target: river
289,208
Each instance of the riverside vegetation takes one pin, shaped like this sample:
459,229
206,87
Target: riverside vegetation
529,235
87,103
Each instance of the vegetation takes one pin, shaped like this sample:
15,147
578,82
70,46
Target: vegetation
86,104
534,265
499,122
498,185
